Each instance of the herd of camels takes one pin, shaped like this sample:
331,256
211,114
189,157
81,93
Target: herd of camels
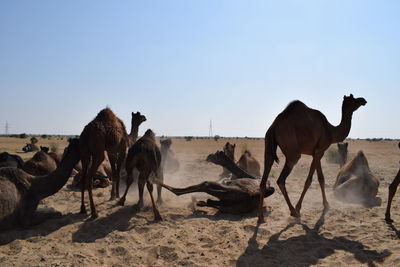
105,149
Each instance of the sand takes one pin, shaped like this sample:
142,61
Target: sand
347,235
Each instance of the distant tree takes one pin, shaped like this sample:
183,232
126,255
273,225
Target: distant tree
188,138
216,137
22,136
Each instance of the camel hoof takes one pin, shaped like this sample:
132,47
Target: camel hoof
260,220
94,216
158,218
121,202
388,220
295,214
83,211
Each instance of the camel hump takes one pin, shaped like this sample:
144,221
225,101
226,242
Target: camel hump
107,115
150,134
40,156
294,105
17,176
247,152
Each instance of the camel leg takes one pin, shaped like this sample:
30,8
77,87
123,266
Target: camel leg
129,181
263,184
160,177
112,157
120,163
321,180
306,184
141,182
85,160
157,216
392,191
287,169
96,161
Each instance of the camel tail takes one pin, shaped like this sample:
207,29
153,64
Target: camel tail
271,146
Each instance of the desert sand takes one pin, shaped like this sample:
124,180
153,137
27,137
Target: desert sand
192,236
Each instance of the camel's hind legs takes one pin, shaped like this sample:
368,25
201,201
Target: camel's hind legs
392,191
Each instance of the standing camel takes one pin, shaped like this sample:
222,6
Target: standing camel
301,130
105,133
145,156
392,191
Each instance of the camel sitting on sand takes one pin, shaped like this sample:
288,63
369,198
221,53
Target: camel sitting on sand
168,161
301,130
392,191
107,133
20,192
10,160
356,184
238,196
101,178
40,164
249,163
145,156
342,151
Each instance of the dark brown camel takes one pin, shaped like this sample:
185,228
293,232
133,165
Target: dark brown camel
40,164
355,183
145,156
302,130
168,161
136,120
229,150
20,192
105,133
342,150
392,191
249,163
235,196
10,160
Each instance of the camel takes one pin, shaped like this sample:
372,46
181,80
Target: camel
10,160
136,120
235,196
392,191
100,179
40,164
229,150
145,156
168,161
106,132
20,192
249,163
342,150
355,183
301,130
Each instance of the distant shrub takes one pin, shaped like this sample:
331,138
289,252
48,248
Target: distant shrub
188,138
332,155
216,137
22,136
54,147
44,136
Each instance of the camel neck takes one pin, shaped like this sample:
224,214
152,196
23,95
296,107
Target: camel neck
340,132
45,186
236,170
134,132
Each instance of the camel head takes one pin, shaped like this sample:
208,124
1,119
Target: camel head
138,118
351,104
166,143
218,158
44,149
229,150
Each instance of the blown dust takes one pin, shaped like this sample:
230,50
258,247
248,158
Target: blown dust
347,235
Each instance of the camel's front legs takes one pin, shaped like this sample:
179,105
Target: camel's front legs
392,191
321,180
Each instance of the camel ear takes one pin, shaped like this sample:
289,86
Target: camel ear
351,95
138,112
132,113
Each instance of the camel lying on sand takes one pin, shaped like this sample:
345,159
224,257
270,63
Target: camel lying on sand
21,192
10,160
40,164
240,195
355,183
392,191
249,163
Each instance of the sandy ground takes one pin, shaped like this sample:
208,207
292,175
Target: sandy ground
347,235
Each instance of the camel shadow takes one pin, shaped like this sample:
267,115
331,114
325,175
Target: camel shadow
219,216
394,229
91,230
43,229
305,250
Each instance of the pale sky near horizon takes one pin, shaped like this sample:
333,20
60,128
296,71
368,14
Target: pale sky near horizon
182,63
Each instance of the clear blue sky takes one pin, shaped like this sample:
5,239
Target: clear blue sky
183,62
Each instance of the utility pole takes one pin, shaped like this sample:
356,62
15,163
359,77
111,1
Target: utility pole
6,128
210,132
